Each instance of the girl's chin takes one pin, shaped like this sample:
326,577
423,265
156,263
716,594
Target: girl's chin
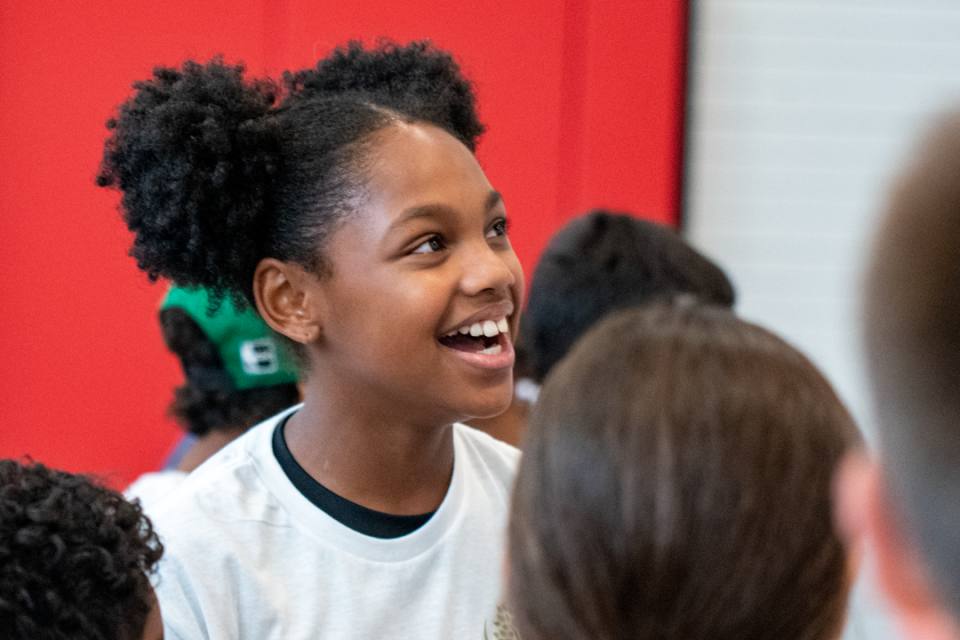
492,409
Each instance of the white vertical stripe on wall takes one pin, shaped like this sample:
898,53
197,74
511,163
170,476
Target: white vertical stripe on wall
801,112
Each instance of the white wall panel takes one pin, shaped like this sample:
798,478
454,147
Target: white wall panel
800,113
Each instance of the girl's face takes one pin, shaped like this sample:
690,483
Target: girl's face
420,269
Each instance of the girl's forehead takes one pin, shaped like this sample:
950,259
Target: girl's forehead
411,165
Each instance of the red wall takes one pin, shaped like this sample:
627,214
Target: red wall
583,101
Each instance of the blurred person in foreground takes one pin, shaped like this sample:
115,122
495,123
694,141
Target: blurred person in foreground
238,372
676,484
599,262
75,559
906,502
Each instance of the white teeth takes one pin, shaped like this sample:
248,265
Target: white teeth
488,328
491,351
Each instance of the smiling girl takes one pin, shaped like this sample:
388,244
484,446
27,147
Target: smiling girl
349,209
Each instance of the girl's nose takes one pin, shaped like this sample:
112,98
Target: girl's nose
485,268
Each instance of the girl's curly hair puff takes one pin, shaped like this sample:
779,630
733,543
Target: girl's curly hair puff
219,172
412,79
74,557
193,154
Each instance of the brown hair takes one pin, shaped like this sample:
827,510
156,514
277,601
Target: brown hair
675,484
912,327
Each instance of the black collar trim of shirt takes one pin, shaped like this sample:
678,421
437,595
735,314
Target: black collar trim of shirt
359,518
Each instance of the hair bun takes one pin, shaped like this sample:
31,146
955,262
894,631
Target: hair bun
194,153
412,78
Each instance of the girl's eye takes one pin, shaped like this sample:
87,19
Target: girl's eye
499,228
432,244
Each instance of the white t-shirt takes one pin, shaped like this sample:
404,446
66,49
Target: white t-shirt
249,557
152,487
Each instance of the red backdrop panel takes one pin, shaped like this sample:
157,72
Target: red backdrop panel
583,101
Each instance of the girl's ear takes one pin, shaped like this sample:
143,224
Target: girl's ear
289,299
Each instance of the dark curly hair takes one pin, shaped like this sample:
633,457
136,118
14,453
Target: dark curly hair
604,261
208,402
219,172
74,557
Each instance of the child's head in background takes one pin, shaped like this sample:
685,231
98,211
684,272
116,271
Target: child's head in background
676,484
74,559
601,262
238,372
906,503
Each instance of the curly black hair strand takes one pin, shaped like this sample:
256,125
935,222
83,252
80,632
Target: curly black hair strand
74,557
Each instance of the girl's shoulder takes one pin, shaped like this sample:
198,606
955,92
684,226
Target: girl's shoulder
225,487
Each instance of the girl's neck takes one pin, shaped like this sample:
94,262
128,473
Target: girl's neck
380,462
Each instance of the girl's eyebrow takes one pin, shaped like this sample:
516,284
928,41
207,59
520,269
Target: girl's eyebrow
494,199
432,210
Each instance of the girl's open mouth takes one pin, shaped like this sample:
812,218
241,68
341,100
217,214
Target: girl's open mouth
486,337
486,345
